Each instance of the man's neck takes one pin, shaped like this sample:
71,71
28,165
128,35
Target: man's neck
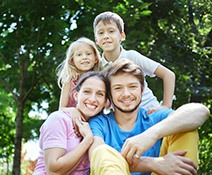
126,121
112,55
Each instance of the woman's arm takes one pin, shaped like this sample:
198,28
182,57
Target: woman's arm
57,161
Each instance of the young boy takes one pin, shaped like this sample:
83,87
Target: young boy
109,34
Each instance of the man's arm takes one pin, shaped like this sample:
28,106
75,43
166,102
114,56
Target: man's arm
186,118
172,163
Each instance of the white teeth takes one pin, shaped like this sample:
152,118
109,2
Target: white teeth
126,101
90,106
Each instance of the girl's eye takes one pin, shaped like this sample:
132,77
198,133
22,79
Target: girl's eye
133,87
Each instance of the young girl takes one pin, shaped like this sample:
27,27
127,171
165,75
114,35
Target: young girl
62,151
82,56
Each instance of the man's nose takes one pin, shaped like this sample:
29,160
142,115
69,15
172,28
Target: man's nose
126,91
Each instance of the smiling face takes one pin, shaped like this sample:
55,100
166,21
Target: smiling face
126,92
91,97
108,36
84,57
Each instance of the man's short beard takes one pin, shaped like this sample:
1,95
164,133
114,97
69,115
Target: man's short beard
127,111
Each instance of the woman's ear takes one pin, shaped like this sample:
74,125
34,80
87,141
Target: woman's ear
75,95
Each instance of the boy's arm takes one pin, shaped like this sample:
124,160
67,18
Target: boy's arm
186,118
168,78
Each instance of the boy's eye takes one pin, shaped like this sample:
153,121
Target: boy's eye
111,31
100,33
78,54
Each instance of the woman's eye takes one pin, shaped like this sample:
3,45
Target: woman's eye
86,92
100,94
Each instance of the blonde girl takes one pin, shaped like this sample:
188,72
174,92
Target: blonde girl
81,56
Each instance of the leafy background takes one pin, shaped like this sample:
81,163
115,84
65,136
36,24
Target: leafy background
35,35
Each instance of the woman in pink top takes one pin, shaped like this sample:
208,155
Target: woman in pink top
81,56
62,150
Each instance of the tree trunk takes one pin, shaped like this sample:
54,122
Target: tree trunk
19,118
18,140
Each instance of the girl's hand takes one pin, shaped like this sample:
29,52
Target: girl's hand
74,115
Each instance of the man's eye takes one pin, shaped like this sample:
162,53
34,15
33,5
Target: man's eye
117,88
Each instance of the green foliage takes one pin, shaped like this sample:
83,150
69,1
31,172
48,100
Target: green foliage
7,117
35,35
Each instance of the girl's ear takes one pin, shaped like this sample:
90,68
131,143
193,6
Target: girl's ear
75,95
96,59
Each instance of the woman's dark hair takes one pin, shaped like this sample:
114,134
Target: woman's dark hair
89,74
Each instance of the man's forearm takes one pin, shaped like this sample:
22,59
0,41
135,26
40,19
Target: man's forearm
186,118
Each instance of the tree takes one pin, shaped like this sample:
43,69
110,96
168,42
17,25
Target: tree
36,34
31,33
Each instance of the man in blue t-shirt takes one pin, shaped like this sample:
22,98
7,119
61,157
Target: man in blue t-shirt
128,140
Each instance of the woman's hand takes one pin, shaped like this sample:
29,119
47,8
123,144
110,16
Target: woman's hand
84,130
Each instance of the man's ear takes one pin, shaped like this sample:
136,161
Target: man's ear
75,95
123,36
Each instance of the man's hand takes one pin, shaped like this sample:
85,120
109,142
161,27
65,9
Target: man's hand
135,146
175,164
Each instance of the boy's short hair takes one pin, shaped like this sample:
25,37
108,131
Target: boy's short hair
123,65
107,17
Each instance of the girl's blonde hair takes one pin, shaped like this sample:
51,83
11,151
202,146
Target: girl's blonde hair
67,71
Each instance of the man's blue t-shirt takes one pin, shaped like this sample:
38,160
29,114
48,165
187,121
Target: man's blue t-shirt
106,127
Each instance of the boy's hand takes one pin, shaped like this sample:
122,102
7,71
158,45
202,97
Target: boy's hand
150,111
